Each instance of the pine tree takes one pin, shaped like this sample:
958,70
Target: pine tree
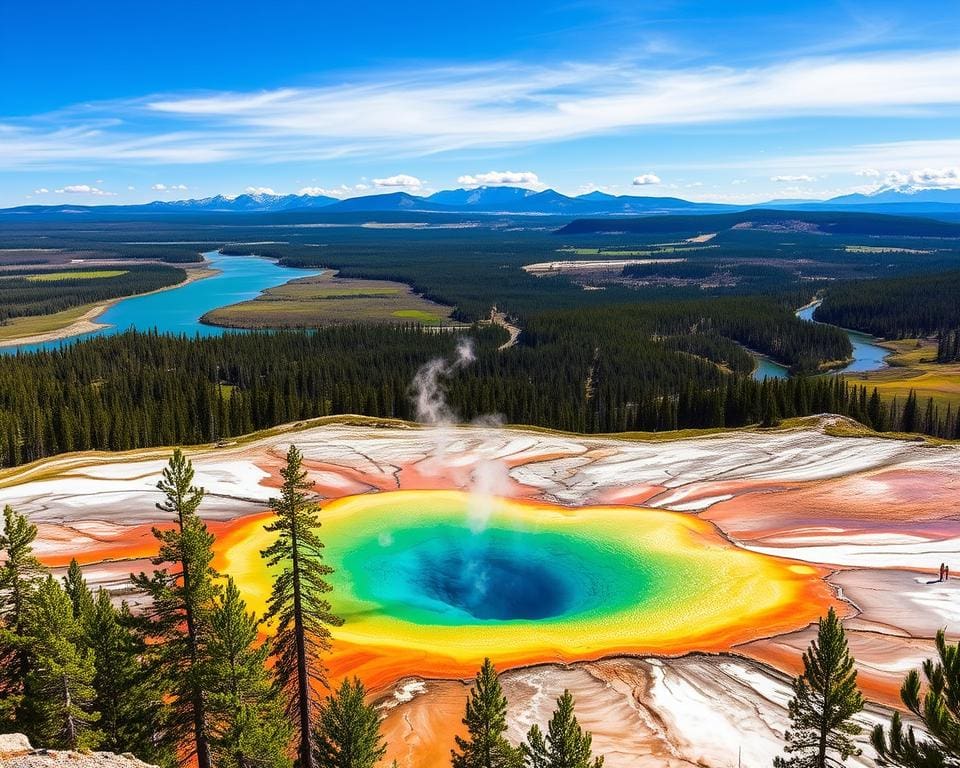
77,590
566,744
298,601
178,618
875,412
348,730
770,411
910,420
59,690
126,694
825,699
20,574
486,721
938,708
248,726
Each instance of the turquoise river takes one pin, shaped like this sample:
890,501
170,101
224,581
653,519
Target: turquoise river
178,310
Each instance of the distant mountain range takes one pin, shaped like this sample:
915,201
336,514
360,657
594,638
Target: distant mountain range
510,200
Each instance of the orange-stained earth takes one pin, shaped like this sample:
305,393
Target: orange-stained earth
863,523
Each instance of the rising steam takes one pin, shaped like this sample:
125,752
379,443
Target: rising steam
428,393
486,475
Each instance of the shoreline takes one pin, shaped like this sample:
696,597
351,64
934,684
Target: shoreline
87,322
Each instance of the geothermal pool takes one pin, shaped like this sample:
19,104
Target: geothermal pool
423,584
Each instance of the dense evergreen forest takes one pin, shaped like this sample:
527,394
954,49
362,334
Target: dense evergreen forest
133,390
948,346
20,295
904,307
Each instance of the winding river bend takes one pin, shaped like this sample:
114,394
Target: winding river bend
239,278
867,354
178,310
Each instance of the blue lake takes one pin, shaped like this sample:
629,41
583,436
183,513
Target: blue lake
769,369
867,355
178,310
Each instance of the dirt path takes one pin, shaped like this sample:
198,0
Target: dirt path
499,318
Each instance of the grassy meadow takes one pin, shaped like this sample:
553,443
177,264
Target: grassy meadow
326,299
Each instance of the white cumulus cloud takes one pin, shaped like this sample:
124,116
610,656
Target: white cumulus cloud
344,190
910,181
83,189
317,192
401,180
259,191
645,179
522,178
926,178
41,191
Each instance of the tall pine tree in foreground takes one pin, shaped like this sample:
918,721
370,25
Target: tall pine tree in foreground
182,599
825,698
486,721
938,708
20,575
348,730
126,694
249,728
298,602
566,744
59,686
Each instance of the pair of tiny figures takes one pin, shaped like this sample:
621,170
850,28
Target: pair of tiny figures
944,571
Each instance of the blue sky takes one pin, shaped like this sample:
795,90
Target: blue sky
114,102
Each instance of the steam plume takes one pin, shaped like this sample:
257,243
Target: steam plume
429,396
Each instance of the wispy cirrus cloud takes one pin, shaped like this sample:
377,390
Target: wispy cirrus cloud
422,112
868,160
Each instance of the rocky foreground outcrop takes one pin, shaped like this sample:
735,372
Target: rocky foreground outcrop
16,752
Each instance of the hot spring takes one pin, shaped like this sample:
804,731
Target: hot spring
484,578
422,593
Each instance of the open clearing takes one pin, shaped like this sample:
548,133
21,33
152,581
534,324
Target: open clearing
882,249
577,267
21,328
325,299
91,274
654,250
912,367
